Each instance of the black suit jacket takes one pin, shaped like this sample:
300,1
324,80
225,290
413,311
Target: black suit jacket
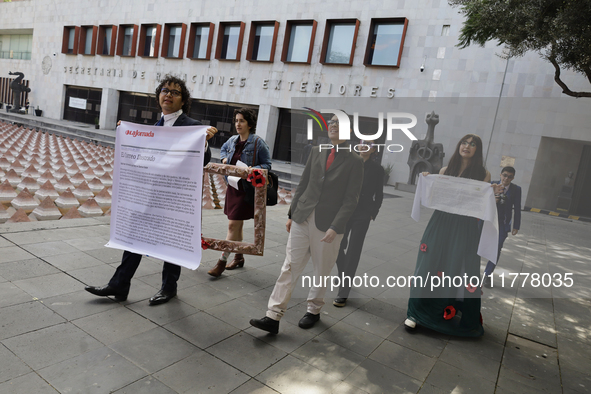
372,192
184,120
505,211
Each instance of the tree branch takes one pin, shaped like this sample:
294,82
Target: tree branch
587,71
565,89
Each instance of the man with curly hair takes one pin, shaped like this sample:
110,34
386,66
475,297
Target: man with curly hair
174,99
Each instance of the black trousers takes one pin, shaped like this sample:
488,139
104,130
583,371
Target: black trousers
490,266
129,263
353,240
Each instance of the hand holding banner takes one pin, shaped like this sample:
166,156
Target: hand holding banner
463,197
157,192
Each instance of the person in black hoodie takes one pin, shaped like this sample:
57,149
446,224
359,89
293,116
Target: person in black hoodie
370,201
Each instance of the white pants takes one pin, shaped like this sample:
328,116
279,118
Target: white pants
304,242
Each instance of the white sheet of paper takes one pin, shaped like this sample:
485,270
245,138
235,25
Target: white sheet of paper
157,192
233,180
465,197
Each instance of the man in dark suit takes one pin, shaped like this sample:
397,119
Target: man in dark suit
174,99
324,200
370,201
508,201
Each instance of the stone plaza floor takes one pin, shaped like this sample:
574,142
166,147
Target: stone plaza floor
57,338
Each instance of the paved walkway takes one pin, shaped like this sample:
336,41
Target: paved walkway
57,338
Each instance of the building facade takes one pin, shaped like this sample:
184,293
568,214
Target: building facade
99,62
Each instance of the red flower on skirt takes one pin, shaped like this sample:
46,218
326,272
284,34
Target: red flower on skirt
423,247
449,312
481,319
257,178
439,273
471,288
204,244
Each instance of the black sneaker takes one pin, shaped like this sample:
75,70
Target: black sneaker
266,324
339,302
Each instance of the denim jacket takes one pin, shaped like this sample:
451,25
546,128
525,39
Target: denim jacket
247,156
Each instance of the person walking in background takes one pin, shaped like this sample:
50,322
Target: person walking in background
323,203
254,152
508,201
174,99
370,201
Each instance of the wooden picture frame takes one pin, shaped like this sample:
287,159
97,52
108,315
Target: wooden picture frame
260,214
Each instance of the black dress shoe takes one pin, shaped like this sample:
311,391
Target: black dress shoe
266,324
162,297
107,291
308,320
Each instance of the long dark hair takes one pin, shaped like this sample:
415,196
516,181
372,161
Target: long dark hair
475,169
185,94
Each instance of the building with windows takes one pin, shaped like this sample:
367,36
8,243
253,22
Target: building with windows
101,60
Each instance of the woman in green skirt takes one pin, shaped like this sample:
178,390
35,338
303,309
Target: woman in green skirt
449,249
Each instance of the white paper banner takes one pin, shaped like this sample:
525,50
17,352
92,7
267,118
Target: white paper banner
77,103
465,197
157,192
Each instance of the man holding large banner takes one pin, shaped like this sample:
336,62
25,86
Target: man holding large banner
157,193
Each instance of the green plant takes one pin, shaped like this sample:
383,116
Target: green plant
96,121
387,171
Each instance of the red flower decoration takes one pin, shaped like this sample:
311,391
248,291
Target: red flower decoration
439,273
423,247
471,288
204,244
257,178
449,312
481,319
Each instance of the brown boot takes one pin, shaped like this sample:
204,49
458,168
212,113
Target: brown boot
238,262
218,269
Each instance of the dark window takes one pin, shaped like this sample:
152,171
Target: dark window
200,40
229,43
82,104
149,40
173,44
88,36
107,37
261,44
291,139
127,40
138,108
219,115
298,41
385,42
141,108
338,46
70,40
